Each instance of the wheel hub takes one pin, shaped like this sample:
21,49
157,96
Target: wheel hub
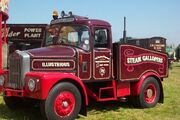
149,93
64,104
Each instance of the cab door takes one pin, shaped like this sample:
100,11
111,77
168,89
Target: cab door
101,54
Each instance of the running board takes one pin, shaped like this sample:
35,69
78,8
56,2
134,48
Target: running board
105,93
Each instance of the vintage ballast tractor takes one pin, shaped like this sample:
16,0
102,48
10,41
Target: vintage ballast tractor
78,62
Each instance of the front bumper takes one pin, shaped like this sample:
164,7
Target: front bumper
12,92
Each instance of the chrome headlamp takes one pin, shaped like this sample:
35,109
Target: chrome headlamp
31,84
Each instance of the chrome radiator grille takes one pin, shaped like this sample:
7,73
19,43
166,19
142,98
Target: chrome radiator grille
19,64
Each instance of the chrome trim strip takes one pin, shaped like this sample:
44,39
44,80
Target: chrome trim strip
25,65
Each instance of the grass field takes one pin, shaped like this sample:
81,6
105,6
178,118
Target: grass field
170,110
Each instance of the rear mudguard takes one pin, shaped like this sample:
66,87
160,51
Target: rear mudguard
136,87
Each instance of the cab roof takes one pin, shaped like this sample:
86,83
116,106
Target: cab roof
74,19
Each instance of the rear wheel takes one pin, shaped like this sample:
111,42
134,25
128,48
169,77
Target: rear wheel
63,102
149,94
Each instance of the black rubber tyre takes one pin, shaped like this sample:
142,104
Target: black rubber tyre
62,103
149,94
13,102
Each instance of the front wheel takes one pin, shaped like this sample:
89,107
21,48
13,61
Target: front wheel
149,94
63,102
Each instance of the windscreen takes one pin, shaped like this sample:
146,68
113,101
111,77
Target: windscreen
73,35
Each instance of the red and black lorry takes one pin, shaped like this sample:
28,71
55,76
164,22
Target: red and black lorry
78,62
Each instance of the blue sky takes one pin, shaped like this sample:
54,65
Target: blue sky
145,18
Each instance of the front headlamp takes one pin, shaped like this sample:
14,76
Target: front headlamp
31,84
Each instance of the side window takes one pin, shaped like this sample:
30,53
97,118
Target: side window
100,38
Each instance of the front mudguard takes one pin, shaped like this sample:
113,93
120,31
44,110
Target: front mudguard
46,81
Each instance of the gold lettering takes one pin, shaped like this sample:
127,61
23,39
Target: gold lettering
55,64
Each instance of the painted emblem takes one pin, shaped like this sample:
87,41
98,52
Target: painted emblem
102,71
102,61
102,65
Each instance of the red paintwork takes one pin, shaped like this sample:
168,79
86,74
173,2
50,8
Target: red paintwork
123,89
3,17
102,64
150,99
84,57
136,87
64,104
136,61
53,64
105,77
110,90
47,80
90,22
98,64
52,52
12,92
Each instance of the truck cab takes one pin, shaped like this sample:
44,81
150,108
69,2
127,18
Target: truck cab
79,61
89,42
